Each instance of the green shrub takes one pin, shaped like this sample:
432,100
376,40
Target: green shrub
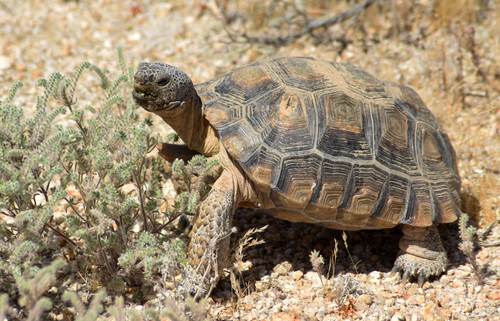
84,191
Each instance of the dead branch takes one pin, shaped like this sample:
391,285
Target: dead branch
311,26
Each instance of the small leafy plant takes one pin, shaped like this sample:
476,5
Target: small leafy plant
467,238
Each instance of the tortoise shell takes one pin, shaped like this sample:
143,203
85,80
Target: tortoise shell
330,144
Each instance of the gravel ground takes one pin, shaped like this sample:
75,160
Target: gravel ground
282,284
39,37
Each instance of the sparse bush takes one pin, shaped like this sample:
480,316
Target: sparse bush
84,190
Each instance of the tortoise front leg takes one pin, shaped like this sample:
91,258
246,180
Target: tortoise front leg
208,251
421,253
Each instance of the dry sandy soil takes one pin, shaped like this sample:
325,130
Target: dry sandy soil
449,53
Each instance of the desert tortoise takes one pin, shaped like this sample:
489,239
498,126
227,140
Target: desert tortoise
314,141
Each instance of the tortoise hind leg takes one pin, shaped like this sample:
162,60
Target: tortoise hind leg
421,253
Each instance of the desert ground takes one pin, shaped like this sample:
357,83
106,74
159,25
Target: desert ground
448,51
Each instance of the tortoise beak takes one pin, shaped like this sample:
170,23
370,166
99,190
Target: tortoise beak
138,96
145,98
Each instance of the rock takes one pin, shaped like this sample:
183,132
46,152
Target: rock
494,296
444,300
417,299
375,275
483,255
297,275
363,302
432,312
314,278
283,268
282,316
261,286
398,316
290,287
458,284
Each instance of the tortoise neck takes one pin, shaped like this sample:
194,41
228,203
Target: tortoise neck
191,125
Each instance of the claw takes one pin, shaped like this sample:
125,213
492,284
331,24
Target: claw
406,276
421,279
395,270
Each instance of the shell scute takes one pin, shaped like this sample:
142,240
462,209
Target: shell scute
296,182
245,83
291,128
397,141
341,130
302,74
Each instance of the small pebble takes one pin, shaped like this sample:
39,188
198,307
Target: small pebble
398,317
297,275
363,302
283,268
494,296
417,299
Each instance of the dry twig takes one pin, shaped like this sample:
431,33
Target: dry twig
311,25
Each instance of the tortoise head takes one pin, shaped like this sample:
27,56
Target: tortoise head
161,87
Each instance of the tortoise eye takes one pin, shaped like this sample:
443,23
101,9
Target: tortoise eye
163,82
